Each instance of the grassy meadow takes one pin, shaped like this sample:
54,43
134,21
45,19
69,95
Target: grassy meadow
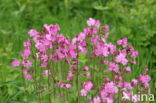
134,19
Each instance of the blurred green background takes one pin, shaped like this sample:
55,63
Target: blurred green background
134,19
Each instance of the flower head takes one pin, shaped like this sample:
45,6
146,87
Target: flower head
15,63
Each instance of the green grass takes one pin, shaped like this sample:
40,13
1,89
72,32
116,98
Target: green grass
18,16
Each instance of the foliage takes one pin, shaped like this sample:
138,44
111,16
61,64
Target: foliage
134,19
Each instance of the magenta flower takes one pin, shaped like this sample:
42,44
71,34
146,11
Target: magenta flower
27,44
128,70
52,49
93,22
110,87
96,100
144,79
128,85
44,63
61,85
15,63
88,85
51,29
105,28
33,33
72,53
27,63
95,39
26,53
86,68
46,72
68,86
81,36
134,54
87,74
134,82
122,42
26,74
113,67
83,92
126,96
69,78
135,99
121,58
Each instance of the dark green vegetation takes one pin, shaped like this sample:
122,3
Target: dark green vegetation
134,19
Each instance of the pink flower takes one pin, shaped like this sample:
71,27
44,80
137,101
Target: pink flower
135,99
95,39
27,63
110,87
83,92
111,47
134,82
121,58
93,22
97,23
26,53
86,68
109,100
122,42
144,79
106,80
51,37
81,36
44,57
101,49
51,29
106,35
27,44
105,28
82,49
44,63
33,32
118,78
53,57
88,85
96,100
113,67
106,62
61,85
126,96
69,78
15,63
128,85
70,73
46,72
134,54
26,74
87,74
41,47
72,53
68,86
128,70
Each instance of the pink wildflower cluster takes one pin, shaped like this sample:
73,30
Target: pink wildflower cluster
87,86
50,47
27,74
144,79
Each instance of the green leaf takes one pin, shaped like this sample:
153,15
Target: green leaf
101,8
